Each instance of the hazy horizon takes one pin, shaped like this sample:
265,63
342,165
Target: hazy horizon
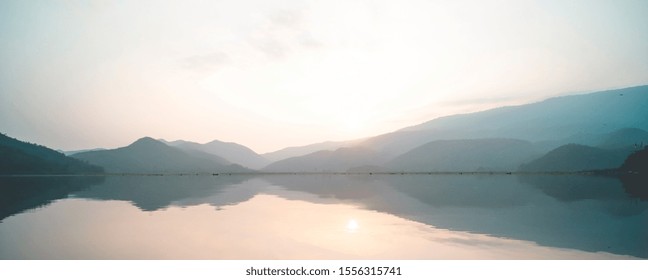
269,75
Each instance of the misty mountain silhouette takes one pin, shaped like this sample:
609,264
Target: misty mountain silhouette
624,138
574,157
17,157
148,155
611,123
465,155
232,152
306,149
637,162
615,120
553,119
635,174
339,160
628,138
69,153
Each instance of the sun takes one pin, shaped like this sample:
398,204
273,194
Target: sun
353,124
352,225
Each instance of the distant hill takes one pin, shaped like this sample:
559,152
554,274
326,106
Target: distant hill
305,150
148,155
597,112
553,119
624,138
637,162
634,174
69,153
574,157
17,157
610,121
465,155
232,152
339,160
616,144
617,139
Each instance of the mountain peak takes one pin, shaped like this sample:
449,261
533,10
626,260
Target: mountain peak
146,141
216,141
148,155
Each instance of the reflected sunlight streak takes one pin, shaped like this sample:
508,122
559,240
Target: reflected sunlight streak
236,235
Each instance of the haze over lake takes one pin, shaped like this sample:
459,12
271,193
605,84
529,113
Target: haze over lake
325,217
301,129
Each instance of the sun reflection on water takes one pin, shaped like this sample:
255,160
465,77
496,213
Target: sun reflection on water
264,227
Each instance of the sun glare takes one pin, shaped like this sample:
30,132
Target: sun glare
353,124
352,226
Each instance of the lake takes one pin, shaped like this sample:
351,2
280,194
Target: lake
322,217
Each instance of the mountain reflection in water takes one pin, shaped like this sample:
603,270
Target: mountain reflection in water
309,217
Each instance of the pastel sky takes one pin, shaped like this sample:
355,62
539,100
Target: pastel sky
272,74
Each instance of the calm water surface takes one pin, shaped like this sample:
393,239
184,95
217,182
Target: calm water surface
321,217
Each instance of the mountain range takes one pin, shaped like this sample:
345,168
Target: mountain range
340,160
307,149
570,133
465,155
232,152
503,139
148,155
575,157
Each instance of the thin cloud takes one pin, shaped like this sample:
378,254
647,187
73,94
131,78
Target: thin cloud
284,32
206,62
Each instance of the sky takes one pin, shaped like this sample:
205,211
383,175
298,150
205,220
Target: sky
272,74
